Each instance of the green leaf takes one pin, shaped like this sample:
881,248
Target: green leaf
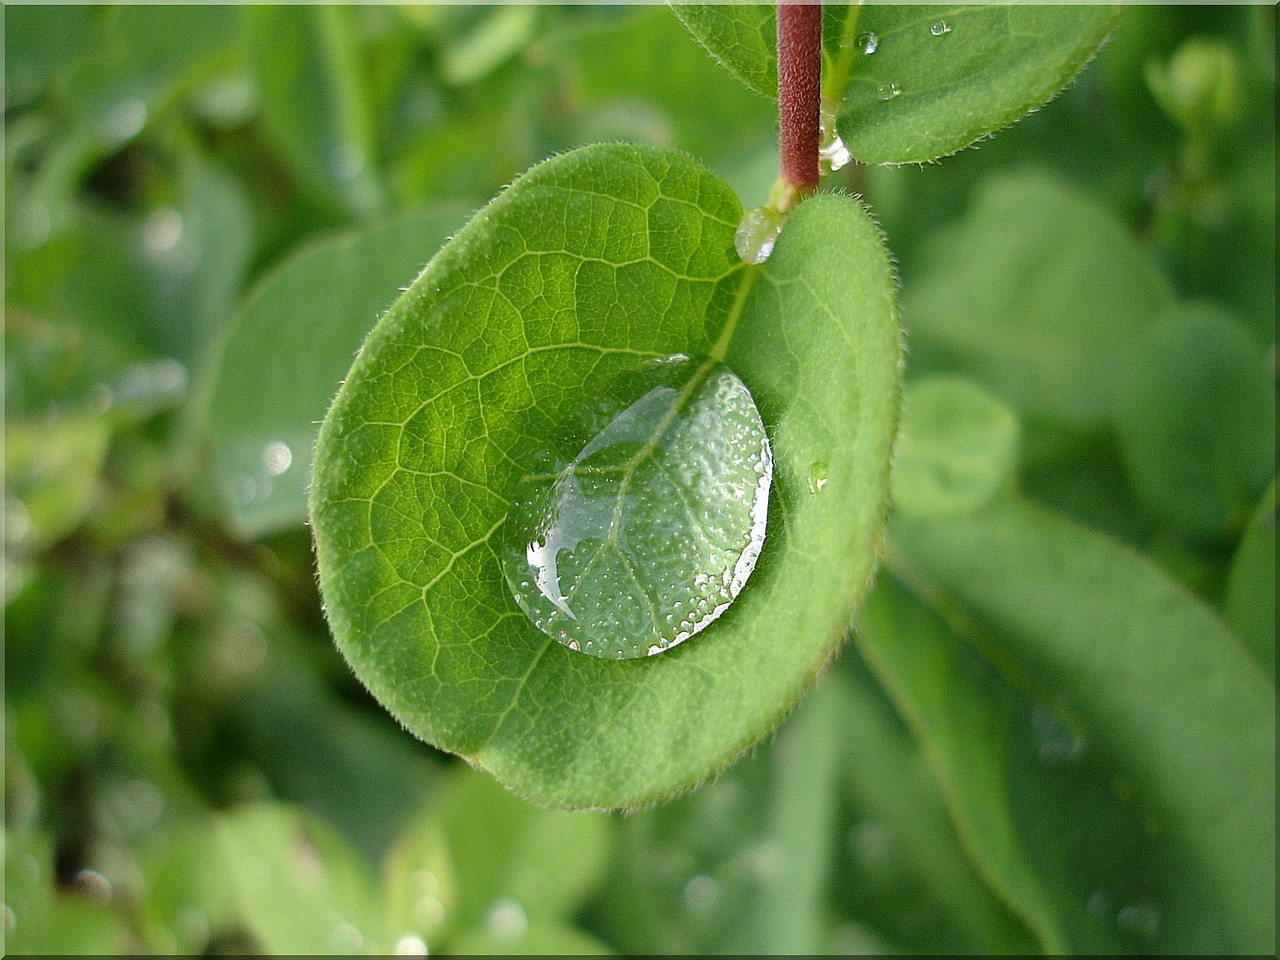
1251,585
533,939
1174,701
300,889
590,262
1040,295
51,475
742,37
943,77
956,449
1197,421
285,353
915,83
671,453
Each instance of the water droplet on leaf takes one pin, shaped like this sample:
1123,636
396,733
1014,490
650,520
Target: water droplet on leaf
656,503
887,91
817,477
757,233
939,28
867,43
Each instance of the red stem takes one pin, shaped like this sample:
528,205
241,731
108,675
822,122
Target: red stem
799,91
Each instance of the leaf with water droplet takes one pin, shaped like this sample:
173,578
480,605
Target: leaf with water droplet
651,516
997,63
586,266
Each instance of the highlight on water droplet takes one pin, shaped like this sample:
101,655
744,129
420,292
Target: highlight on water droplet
887,91
832,152
650,516
867,43
817,477
757,234
939,27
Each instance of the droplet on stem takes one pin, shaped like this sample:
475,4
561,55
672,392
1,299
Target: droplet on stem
757,233
832,152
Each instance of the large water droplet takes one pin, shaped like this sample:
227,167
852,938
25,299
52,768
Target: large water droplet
887,91
832,153
867,43
651,516
757,233
939,28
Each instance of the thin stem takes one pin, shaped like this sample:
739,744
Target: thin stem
799,96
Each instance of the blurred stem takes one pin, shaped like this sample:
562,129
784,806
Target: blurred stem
799,97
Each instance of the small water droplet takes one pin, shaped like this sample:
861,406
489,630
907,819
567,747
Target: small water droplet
887,91
867,43
817,477
757,233
832,152
939,28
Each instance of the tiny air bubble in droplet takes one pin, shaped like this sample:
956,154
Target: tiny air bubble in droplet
757,234
939,28
817,477
867,43
887,91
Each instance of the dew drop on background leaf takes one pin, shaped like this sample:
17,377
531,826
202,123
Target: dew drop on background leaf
642,522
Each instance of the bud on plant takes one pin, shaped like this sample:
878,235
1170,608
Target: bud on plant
1200,86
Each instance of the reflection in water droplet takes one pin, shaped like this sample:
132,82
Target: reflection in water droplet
887,91
651,516
276,458
817,477
832,152
867,43
1140,918
939,28
757,233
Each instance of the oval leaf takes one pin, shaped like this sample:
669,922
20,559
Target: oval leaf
592,261
1171,695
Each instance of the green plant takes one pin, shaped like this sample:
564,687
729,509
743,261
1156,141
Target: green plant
1051,725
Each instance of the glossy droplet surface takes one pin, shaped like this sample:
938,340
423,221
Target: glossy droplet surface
867,43
757,233
939,28
832,152
887,91
642,522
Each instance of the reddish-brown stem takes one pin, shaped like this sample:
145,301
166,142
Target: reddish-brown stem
799,92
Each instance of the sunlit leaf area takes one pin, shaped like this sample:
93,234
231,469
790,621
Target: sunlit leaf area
452,507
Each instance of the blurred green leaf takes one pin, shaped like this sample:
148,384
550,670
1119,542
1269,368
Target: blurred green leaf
1170,694
188,898
546,938
315,100
1040,295
956,447
1251,587
499,34
299,887
1196,420
742,37
437,421
286,351
51,475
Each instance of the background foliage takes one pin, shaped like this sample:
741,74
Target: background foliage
1054,729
